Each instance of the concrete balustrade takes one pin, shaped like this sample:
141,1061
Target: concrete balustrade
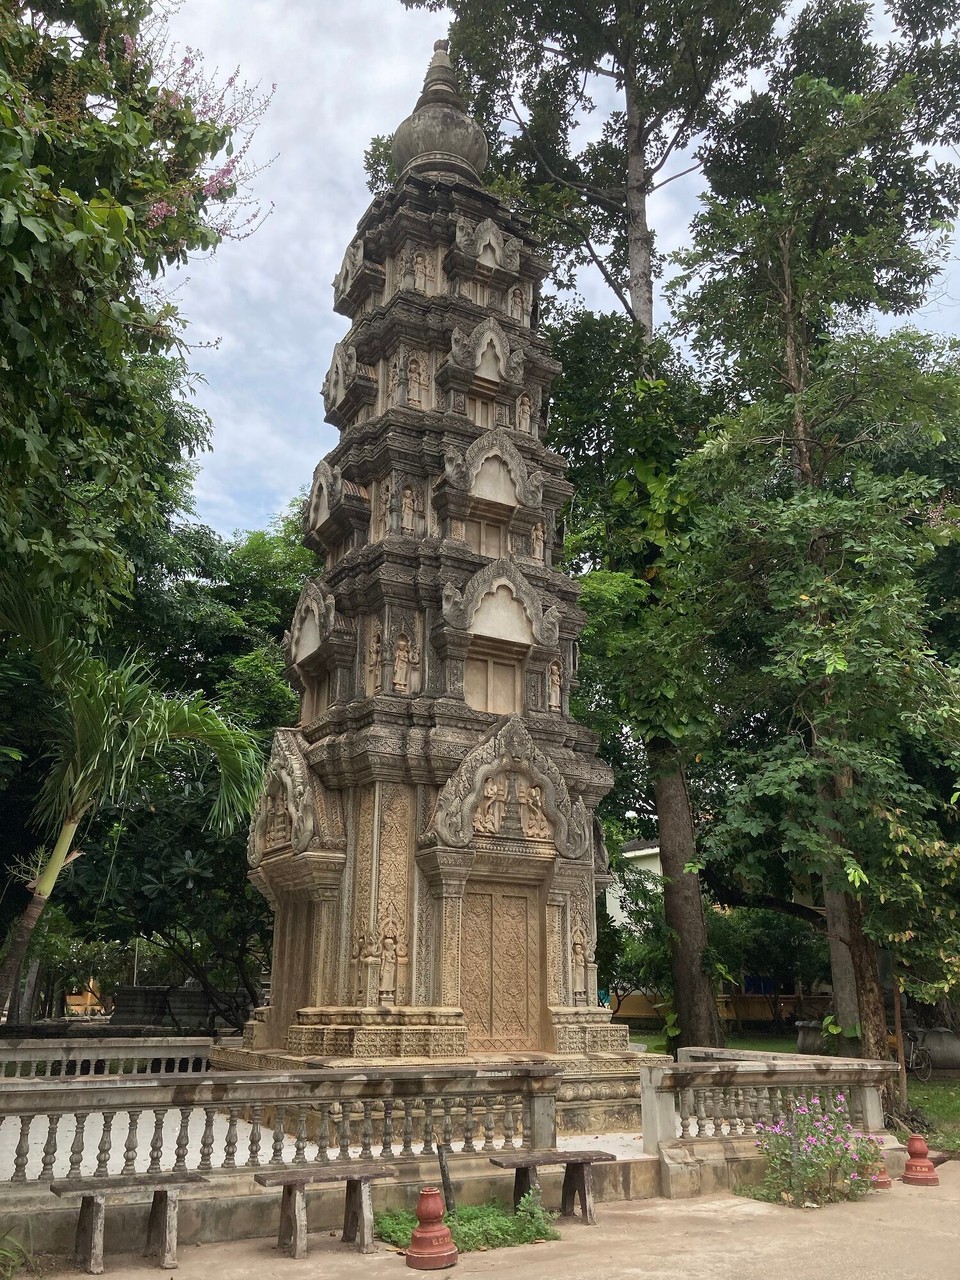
105,1056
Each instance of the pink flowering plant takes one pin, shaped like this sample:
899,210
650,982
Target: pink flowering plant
814,1156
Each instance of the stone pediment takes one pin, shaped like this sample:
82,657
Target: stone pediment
508,768
313,621
460,608
325,494
347,380
463,467
486,243
291,814
487,353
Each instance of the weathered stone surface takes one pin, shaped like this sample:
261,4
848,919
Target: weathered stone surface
426,834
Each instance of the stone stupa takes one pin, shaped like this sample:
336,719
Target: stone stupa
426,835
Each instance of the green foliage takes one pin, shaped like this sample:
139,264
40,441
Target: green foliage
939,1100
13,1257
814,1157
476,1227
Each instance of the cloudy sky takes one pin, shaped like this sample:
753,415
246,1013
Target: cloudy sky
345,70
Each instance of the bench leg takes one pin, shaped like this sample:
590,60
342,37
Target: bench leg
578,1181
358,1215
293,1220
162,1227
88,1247
525,1179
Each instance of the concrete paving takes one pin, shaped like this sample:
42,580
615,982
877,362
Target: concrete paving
894,1235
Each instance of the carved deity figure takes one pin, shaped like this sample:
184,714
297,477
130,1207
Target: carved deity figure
397,381
524,414
555,687
537,542
532,817
488,818
414,382
408,510
422,271
516,304
405,656
392,951
375,660
580,958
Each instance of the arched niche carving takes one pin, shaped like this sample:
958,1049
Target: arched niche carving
287,815
342,371
506,768
460,608
313,621
325,494
485,242
349,269
486,353
463,468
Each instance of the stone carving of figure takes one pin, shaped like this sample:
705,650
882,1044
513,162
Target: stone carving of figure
375,660
524,414
392,952
421,271
554,691
516,304
488,818
580,958
537,542
408,510
532,817
405,656
397,383
414,382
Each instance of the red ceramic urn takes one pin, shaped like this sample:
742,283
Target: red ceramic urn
431,1246
919,1170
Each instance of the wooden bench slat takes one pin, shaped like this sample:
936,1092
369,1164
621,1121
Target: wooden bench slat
525,1159
355,1172
130,1182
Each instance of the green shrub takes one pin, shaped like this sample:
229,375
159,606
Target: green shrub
473,1227
13,1256
814,1157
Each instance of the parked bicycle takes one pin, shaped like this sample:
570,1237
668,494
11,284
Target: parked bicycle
919,1061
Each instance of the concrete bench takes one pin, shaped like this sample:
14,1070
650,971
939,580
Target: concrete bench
161,1240
357,1204
577,1177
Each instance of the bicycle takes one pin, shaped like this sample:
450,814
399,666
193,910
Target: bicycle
919,1062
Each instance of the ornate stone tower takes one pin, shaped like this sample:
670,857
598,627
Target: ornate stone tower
426,834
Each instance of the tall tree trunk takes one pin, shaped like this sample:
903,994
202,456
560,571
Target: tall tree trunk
639,237
22,930
843,977
873,1014
694,1001
20,935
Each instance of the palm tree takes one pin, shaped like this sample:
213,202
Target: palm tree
105,725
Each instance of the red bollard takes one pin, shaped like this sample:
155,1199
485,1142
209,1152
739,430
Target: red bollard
883,1181
431,1246
919,1171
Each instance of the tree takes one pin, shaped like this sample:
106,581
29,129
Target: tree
826,208
105,726
109,177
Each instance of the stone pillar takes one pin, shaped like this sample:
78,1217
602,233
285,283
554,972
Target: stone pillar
446,871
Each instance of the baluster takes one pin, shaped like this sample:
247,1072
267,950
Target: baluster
427,1148
366,1131
407,1148
488,1128
447,1132
719,1111
750,1110
156,1142
183,1141
469,1126
23,1150
776,1105
206,1142
526,1140
277,1155
763,1104
344,1152
323,1139
300,1141
701,1100
230,1142
686,1111
106,1141
130,1143
508,1121
386,1150
76,1149
49,1149
253,1147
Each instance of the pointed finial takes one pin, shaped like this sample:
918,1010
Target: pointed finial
440,137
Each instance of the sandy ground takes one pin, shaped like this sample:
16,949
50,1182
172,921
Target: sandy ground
895,1235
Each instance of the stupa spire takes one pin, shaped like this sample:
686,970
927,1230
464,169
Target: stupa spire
439,136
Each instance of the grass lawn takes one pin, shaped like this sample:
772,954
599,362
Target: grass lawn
757,1041
940,1099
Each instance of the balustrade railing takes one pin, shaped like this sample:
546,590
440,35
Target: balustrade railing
109,1056
233,1122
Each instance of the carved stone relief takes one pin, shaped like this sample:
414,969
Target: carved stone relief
487,243
487,352
462,468
537,542
460,608
555,686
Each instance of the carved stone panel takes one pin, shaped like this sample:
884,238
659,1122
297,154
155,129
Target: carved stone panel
500,986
